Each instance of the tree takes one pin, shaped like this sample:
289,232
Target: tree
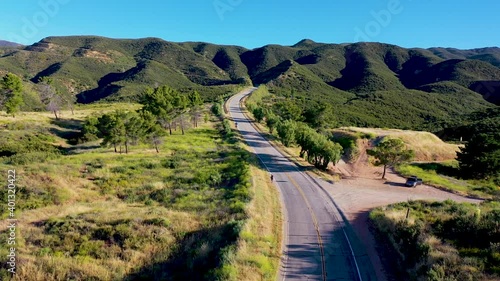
480,158
181,104
69,99
90,129
195,102
12,87
134,129
50,97
160,102
390,152
152,130
319,115
288,110
272,121
258,113
112,130
330,152
286,132
303,137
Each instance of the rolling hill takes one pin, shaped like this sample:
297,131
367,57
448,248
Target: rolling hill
4,43
365,82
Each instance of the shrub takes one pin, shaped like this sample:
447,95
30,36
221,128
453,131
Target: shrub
173,162
93,248
158,222
31,157
149,165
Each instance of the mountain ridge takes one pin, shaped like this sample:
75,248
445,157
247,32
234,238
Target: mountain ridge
4,43
96,68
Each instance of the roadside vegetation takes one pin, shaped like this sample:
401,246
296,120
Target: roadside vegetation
476,165
173,204
447,176
441,240
294,127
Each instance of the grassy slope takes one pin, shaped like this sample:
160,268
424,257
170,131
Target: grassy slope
105,215
92,63
440,240
427,146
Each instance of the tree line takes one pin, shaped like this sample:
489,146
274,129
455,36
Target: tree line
164,109
315,147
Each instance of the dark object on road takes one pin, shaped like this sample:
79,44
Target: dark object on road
413,181
272,177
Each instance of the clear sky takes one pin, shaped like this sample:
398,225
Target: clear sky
254,23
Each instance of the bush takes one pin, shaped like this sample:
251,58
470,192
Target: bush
217,109
31,157
149,165
173,162
456,240
226,128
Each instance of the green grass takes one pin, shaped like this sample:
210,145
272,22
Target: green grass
108,216
440,240
443,175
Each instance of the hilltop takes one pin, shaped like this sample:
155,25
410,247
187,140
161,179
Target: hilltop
4,43
367,83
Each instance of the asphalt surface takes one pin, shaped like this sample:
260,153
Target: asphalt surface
318,243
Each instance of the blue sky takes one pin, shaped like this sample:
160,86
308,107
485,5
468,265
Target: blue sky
254,23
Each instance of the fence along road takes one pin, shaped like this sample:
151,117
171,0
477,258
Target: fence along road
317,243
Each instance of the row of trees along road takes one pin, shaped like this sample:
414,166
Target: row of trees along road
315,147
163,109
11,95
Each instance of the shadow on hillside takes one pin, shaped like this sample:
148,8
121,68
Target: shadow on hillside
197,254
489,89
105,86
53,68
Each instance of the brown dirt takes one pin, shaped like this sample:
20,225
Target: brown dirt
362,189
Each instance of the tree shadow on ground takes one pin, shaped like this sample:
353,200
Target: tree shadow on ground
68,129
196,256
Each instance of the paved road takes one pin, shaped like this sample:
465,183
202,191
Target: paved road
317,243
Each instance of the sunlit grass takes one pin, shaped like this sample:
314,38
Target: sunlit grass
75,207
463,187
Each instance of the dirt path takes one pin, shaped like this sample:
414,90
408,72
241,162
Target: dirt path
361,190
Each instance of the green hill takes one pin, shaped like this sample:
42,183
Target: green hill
368,84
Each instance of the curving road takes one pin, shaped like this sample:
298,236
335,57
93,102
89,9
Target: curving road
318,245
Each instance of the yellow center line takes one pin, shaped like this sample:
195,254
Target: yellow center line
315,222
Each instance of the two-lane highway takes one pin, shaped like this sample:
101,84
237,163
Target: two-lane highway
316,244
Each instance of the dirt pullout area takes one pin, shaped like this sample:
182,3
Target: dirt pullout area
361,190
